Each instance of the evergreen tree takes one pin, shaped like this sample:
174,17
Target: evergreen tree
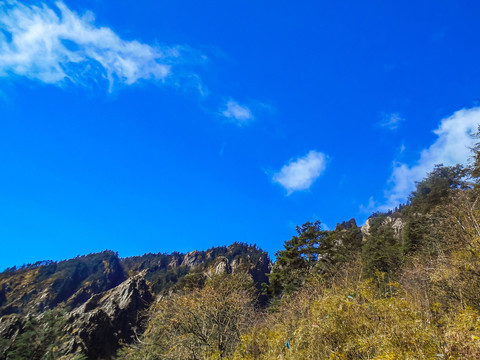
381,251
298,258
437,186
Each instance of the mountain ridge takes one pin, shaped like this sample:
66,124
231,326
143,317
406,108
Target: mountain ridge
102,298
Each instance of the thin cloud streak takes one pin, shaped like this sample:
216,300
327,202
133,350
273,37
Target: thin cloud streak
301,173
391,121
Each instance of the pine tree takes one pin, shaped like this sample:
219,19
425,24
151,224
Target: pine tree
298,258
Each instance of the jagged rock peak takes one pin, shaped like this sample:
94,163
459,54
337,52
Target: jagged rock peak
345,225
106,320
193,258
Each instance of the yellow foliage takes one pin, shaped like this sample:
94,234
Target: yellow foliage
200,324
349,321
462,334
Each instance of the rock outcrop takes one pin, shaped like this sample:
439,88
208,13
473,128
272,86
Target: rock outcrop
100,325
345,225
396,223
10,327
193,258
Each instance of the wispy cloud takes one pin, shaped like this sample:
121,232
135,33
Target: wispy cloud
56,45
239,114
391,121
51,45
451,147
300,173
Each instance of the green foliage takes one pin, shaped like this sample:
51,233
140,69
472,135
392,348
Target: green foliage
40,337
382,251
340,246
413,235
437,186
298,258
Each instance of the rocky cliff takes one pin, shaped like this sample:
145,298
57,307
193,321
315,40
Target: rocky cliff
88,306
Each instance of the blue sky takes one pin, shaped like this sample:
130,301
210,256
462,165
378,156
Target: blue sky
154,126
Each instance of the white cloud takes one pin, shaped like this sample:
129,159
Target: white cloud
391,121
300,173
51,45
450,148
55,45
240,114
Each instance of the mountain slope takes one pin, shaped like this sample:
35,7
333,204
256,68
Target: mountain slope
98,302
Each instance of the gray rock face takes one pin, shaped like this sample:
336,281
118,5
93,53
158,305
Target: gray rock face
397,225
174,263
10,326
395,222
106,320
223,267
365,229
193,258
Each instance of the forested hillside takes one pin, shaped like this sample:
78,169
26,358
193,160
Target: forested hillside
405,285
